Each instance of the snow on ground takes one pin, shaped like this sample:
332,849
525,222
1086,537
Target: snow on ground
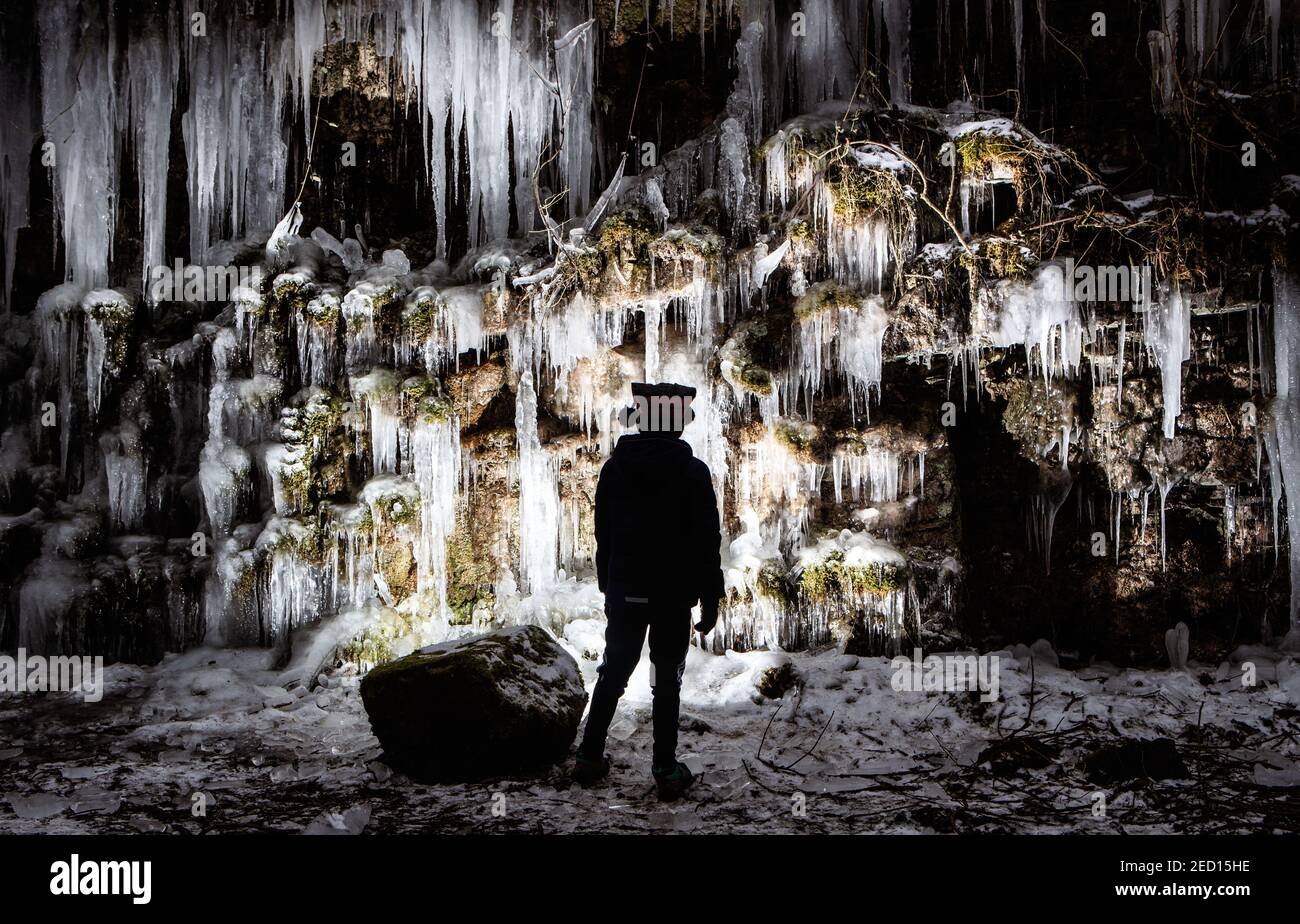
215,732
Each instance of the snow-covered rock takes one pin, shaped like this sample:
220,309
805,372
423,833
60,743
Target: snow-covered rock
490,705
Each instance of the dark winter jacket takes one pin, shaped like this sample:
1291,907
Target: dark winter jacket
657,535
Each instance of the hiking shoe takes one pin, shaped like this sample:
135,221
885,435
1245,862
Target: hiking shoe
673,782
588,770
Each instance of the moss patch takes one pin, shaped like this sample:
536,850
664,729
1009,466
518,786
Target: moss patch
825,296
800,438
423,400
831,580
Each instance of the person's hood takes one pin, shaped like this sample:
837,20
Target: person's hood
643,454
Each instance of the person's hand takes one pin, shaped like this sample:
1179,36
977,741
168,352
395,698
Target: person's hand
708,616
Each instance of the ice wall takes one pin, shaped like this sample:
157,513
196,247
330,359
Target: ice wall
343,431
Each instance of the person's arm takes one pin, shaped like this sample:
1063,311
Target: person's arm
707,546
604,535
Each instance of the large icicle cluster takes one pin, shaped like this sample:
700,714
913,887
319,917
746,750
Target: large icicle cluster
479,75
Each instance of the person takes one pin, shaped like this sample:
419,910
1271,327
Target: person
657,553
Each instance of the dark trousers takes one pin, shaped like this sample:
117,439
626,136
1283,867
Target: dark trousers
670,637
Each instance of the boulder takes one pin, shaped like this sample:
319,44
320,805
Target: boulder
503,703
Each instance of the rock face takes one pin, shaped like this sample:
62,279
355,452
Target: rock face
497,704
942,418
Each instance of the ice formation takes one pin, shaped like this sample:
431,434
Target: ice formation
235,140
1168,337
1042,317
1284,442
413,428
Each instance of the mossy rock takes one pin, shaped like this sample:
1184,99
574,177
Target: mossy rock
116,320
395,559
115,314
423,400
399,510
998,258
302,537
323,311
823,297
470,575
755,379
877,580
500,704
983,152
802,439
746,354
419,319
625,233
803,239
858,192
830,580
820,582
1036,412
583,271
695,244
621,19
774,583
288,292
316,433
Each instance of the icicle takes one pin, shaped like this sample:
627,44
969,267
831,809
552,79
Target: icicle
126,469
436,448
79,95
824,56
1117,501
859,254
308,38
1054,489
1284,441
539,501
233,130
653,315
152,62
317,339
766,263
1146,498
896,16
1168,338
876,469
225,480
1039,314
848,340
1229,519
378,395
59,319
298,589
1164,484
1119,387
107,317
575,62
1164,68
750,59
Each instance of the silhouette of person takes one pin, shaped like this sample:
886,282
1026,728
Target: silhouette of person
657,554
